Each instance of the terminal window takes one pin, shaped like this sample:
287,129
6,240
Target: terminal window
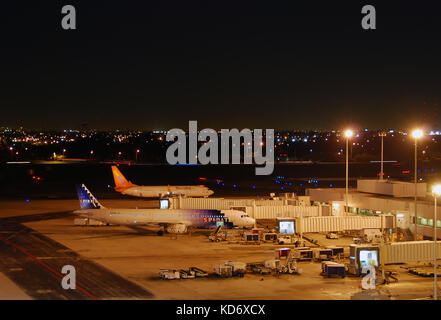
163,204
286,227
369,258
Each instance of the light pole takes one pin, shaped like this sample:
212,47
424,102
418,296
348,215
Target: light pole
416,135
348,134
136,155
382,135
436,193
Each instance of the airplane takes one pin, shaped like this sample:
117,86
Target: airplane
124,186
171,220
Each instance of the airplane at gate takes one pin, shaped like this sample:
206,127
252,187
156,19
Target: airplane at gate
124,186
172,221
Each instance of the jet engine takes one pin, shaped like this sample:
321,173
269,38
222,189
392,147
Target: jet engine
177,228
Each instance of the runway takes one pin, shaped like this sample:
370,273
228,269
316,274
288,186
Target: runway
34,262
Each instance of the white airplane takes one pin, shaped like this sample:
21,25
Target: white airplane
124,186
173,221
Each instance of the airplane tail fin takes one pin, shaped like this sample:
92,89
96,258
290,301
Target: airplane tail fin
87,200
120,181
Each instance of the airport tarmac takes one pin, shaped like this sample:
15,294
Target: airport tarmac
118,262
10,291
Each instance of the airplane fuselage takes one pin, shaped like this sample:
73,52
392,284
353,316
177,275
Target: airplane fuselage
189,217
167,191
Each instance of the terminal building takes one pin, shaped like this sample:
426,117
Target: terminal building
377,197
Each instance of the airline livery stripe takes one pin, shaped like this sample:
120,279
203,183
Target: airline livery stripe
121,180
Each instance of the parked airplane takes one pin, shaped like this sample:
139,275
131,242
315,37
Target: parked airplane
173,221
126,187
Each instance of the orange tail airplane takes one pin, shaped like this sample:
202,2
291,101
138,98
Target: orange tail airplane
124,186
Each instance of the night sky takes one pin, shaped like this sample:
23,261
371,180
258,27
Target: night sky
256,64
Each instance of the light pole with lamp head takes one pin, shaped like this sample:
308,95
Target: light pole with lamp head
436,191
382,135
348,134
416,134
